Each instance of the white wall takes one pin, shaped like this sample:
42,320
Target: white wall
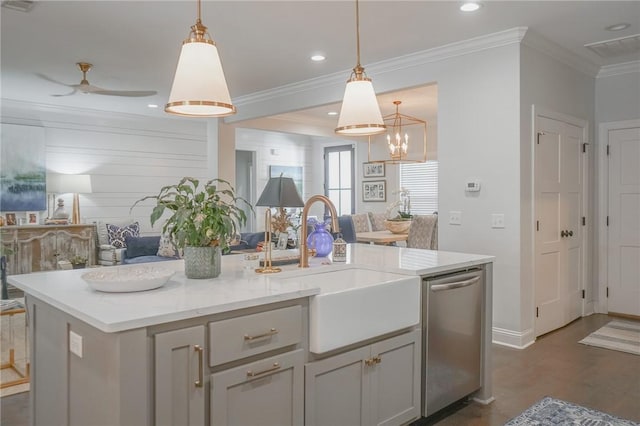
551,85
128,157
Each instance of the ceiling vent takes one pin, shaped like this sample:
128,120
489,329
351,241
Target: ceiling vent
616,47
19,5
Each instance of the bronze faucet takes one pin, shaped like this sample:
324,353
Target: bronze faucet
304,254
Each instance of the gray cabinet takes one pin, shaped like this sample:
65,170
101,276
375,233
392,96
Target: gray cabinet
179,377
377,384
265,392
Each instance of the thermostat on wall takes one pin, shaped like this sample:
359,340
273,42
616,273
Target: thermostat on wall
472,186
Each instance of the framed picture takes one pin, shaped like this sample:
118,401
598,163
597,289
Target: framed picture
10,219
283,237
33,218
374,190
373,169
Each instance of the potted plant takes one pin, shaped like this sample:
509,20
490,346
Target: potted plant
203,221
78,262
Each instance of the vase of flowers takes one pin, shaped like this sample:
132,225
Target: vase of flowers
204,219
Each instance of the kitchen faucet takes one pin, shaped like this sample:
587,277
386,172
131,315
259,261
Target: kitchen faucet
304,254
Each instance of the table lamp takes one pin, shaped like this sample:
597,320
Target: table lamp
279,192
69,184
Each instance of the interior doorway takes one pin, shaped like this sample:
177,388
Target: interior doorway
558,213
246,184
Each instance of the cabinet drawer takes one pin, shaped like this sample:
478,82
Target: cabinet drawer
249,335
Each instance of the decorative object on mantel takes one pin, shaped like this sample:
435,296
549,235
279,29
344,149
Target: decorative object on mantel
199,87
405,140
360,113
278,192
60,215
204,220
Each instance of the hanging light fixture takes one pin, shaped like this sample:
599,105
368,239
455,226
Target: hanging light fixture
360,114
199,87
402,130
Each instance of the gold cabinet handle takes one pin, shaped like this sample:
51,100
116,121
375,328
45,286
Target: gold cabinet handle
276,366
377,359
369,362
271,332
200,350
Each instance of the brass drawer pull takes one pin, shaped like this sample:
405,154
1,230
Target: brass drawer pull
373,361
276,366
200,380
271,332
369,362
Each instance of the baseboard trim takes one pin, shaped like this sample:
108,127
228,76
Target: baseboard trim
512,339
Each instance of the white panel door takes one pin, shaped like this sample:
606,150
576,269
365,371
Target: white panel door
558,240
624,221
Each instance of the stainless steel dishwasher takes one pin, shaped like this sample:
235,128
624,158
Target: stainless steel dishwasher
451,338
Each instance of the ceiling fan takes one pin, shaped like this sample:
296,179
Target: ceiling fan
87,88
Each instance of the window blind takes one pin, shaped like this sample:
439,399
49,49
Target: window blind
421,179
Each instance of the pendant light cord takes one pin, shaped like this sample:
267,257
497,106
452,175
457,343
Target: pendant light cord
358,35
199,12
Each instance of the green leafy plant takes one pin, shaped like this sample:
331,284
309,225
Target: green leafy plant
78,260
201,216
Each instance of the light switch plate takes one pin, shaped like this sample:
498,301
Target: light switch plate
75,343
455,218
497,220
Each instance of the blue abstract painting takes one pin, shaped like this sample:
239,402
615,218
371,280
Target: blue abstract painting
22,169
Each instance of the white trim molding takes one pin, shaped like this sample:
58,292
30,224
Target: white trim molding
619,69
513,339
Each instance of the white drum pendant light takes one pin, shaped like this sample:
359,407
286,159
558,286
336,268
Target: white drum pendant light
360,114
199,87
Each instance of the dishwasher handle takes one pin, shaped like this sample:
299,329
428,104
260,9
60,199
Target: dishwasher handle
457,284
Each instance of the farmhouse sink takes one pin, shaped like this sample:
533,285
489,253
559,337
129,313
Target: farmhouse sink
358,304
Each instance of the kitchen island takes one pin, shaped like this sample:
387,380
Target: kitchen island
236,349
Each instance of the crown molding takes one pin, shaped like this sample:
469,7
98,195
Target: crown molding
619,69
465,47
538,42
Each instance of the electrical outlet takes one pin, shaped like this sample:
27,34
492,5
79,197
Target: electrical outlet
497,220
455,218
75,343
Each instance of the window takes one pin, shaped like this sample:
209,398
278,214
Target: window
421,179
339,178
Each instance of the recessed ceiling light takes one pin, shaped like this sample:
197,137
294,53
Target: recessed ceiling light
332,113
470,7
618,27
318,58
152,106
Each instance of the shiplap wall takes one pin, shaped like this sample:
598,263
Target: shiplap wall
127,157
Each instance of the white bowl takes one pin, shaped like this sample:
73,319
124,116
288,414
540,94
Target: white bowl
127,279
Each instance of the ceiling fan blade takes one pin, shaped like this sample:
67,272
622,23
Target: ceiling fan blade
44,77
66,94
129,93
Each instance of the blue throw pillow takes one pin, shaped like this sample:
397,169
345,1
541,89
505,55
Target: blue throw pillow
142,246
118,234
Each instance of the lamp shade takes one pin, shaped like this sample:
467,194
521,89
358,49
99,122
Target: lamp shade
360,113
66,184
280,192
199,86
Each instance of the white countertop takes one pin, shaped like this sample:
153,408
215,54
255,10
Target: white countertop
235,288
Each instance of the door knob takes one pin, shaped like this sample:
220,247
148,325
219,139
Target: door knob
563,233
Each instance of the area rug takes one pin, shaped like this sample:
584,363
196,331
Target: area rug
617,335
550,411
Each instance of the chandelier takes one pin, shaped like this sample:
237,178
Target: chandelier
405,141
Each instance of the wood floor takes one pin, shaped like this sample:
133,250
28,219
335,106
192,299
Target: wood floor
556,365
